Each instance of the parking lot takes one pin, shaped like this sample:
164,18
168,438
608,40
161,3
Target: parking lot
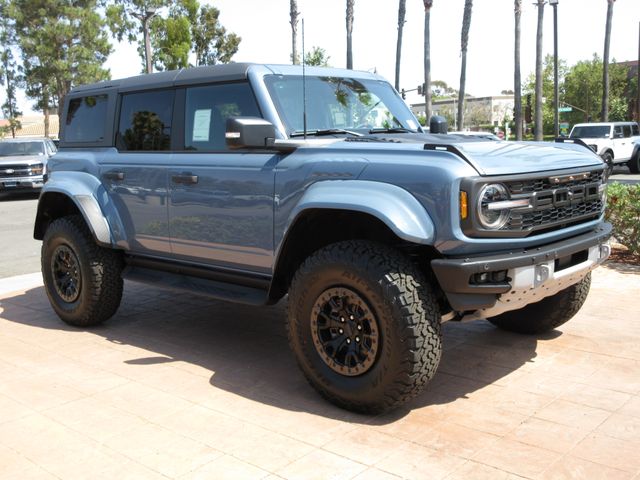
185,387
179,386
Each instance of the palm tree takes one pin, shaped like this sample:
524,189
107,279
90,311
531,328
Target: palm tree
293,13
605,63
517,80
350,4
427,58
402,10
466,24
538,88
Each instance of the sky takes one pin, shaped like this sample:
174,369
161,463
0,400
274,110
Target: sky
266,37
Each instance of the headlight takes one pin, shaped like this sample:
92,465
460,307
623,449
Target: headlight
490,214
37,169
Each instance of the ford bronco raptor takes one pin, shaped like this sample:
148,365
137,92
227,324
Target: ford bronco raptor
249,182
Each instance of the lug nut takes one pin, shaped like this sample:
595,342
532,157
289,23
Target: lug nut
342,319
359,327
340,331
350,317
348,340
357,339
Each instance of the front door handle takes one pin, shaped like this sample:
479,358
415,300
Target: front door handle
185,179
117,176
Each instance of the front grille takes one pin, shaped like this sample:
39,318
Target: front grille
552,201
581,195
542,184
10,171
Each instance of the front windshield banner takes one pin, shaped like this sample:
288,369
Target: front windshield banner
338,103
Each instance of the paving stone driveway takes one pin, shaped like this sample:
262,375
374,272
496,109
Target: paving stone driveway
178,386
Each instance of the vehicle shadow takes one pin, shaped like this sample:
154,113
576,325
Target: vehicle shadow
18,196
245,348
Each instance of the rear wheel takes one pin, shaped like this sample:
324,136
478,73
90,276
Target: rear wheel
547,314
364,326
82,280
634,163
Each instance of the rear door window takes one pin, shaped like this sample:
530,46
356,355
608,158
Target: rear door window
627,131
145,121
86,119
207,109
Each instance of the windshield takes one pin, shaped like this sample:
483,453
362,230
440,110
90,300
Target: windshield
21,148
591,131
336,103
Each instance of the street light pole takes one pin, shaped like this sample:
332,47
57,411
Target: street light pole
146,19
556,120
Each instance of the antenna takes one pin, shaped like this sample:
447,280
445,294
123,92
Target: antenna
304,88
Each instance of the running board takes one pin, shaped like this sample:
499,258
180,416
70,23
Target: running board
199,286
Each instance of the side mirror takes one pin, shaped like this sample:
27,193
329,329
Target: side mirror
438,124
249,132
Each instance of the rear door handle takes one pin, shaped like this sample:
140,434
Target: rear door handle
118,176
185,179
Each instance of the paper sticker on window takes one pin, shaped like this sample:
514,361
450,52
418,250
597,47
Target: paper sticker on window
201,124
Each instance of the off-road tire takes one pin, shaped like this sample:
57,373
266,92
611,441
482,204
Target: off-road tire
99,269
634,163
406,311
607,158
547,314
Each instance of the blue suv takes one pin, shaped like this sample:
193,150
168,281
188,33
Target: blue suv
249,182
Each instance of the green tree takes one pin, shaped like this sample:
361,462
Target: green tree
211,42
464,42
546,92
9,75
317,57
402,11
62,44
131,19
583,87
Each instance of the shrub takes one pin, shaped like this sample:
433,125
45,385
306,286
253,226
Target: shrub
623,211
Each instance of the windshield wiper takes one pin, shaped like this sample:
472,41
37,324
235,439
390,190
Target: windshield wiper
328,131
392,130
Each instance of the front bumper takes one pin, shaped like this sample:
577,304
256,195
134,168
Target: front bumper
527,275
15,183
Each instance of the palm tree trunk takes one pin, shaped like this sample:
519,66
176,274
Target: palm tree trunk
538,92
466,24
427,58
517,80
605,63
402,11
293,13
350,4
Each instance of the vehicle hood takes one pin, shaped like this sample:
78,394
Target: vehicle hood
491,157
23,160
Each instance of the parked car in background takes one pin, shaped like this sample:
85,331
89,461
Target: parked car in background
23,163
613,141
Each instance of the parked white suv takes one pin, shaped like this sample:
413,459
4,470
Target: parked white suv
613,141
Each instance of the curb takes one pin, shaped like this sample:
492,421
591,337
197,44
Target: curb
20,282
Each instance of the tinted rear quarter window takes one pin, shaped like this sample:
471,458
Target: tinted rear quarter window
145,121
86,119
635,130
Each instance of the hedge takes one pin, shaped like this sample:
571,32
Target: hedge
623,211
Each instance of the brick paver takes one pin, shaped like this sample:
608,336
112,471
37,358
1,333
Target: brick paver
182,387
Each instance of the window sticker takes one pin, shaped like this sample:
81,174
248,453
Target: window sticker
201,124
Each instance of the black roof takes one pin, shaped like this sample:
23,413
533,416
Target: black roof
185,76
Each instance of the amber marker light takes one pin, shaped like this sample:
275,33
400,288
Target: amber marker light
464,205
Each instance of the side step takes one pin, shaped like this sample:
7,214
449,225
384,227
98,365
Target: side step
199,286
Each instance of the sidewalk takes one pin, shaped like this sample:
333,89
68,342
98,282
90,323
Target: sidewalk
185,387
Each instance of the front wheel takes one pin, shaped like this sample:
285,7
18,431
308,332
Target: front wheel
547,314
634,163
364,326
82,280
